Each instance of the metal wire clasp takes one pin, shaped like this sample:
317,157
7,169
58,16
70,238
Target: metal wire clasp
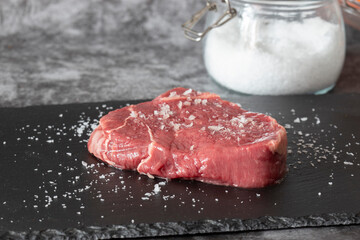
188,26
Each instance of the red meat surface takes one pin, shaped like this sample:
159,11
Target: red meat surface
187,134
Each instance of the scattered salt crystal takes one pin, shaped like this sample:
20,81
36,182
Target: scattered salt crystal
350,153
317,120
330,183
348,163
61,115
172,94
69,154
297,120
165,111
192,147
176,126
187,92
215,128
162,183
179,104
304,119
157,188
203,102
258,194
191,117
216,200
4,142
197,101
319,194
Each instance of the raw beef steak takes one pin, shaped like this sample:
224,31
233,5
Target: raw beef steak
187,134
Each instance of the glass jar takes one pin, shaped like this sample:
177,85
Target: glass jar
276,47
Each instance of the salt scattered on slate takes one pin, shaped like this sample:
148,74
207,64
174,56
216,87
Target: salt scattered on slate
155,191
305,149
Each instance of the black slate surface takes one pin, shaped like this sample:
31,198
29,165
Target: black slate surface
51,186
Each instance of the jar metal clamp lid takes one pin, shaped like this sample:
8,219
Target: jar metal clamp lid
188,26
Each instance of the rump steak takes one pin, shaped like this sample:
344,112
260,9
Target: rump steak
188,134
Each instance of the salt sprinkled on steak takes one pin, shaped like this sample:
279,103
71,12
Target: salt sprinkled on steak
187,134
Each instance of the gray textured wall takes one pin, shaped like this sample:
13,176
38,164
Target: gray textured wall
69,51
91,50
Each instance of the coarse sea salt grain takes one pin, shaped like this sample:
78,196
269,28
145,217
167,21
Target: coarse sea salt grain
297,120
157,189
187,92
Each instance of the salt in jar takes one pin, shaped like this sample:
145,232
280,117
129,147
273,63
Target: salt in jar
273,47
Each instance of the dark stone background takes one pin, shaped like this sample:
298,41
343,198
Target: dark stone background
67,51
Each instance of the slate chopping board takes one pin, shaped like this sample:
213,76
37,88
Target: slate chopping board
50,185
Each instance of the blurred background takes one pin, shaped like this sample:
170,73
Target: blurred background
55,52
